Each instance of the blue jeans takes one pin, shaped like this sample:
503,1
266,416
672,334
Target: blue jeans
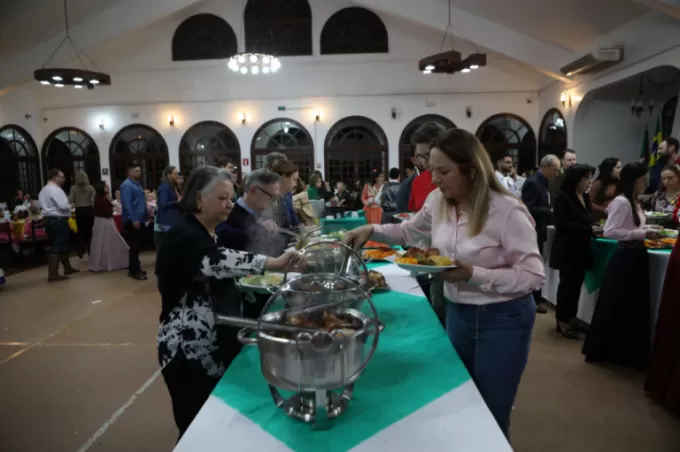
493,342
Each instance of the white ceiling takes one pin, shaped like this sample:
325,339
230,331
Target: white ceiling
570,24
533,35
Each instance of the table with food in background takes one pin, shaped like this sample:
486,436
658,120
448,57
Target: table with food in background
415,393
344,221
602,251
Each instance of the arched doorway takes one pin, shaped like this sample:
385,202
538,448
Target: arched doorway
553,134
138,144
19,164
355,146
71,150
205,141
288,137
406,147
506,132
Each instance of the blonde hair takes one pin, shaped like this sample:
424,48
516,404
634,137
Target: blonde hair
81,179
464,149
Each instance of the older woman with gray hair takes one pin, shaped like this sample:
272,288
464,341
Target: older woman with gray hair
196,279
81,197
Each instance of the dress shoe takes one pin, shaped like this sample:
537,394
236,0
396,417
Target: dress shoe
138,276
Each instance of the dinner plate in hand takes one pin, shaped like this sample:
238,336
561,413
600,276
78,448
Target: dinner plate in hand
425,268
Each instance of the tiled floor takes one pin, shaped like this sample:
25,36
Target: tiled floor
78,361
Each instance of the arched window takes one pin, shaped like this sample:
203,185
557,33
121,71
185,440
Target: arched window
278,27
286,136
553,135
406,147
138,144
19,163
205,141
354,30
71,150
509,133
355,146
203,37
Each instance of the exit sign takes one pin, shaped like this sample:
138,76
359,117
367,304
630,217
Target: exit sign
281,108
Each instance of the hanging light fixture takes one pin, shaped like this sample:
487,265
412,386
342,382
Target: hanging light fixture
451,62
252,63
78,78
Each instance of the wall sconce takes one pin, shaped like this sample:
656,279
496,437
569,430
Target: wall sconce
565,100
393,110
317,116
101,125
242,117
171,121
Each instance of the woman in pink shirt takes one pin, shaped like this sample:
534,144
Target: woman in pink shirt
620,331
490,235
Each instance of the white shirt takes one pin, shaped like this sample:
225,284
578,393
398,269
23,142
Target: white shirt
377,198
53,201
507,182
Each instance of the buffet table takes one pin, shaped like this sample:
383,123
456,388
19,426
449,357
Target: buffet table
415,395
603,249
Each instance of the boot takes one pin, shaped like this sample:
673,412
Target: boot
53,268
68,270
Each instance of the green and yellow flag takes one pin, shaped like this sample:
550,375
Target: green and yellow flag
656,141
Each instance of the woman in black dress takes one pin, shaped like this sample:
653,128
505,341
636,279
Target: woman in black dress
571,252
196,279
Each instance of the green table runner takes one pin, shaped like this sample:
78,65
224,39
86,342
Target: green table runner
346,223
414,364
603,249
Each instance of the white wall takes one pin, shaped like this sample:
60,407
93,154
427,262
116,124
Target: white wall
19,107
332,109
148,87
590,137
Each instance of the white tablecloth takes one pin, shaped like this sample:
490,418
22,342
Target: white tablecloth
658,261
459,420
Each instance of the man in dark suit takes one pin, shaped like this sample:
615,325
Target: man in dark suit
536,196
244,230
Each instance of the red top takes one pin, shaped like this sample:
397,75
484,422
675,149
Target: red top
103,207
421,187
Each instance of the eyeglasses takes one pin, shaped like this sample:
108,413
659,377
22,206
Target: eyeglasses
272,197
423,156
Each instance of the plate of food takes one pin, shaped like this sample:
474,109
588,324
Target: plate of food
375,245
430,260
379,254
267,283
661,244
403,216
378,282
652,214
669,233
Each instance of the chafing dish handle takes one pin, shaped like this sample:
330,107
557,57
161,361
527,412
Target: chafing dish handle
243,337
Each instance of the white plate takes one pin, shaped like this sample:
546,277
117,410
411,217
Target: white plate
425,268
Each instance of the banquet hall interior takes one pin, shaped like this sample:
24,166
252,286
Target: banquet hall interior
339,87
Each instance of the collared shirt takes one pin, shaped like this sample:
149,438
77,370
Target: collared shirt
133,201
505,257
242,202
507,182
53,201
620,224
421,187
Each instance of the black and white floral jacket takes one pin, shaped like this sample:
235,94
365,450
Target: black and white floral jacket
194,276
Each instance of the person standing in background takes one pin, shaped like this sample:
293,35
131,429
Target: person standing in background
56,212
603,190
667,154
133,202
414,191
568,160
536,196
82,198
387,198
503,170
225,163
168,212
368,197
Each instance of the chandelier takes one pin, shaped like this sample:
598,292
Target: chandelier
78,78
254,63
450,62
